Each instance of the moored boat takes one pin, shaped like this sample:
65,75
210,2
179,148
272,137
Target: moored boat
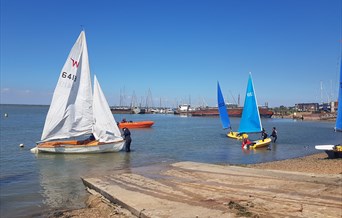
121,110
136,124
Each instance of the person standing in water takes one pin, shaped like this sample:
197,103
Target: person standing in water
127,137
274,134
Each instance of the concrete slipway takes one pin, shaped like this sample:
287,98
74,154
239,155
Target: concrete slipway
188,189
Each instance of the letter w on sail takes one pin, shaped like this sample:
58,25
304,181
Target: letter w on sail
74,62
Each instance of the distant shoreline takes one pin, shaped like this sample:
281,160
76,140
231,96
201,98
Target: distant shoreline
304,116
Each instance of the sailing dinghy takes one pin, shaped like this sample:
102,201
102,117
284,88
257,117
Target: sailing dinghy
338,125
225,117
75,111
250,121
335,151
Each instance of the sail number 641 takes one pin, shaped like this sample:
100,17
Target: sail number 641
69,76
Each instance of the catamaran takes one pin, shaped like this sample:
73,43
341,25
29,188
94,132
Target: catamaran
76,112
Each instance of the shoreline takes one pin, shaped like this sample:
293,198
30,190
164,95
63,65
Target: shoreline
315,163
98,206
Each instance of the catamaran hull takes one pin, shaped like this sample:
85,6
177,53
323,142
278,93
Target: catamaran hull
79,149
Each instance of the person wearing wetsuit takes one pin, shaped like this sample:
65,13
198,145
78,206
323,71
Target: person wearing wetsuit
274,134
127,137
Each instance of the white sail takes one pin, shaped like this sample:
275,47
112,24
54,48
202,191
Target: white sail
70,113
105,127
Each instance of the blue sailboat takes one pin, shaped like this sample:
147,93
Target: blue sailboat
250,121
335,151
338,126
222,109
224,115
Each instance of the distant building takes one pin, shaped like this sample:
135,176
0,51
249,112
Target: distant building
326,107
334,106
307,107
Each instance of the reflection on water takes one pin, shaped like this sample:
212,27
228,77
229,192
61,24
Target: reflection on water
32,183
60,175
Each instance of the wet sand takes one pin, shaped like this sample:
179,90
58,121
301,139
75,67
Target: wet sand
310,166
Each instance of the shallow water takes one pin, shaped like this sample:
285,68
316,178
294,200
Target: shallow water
31,185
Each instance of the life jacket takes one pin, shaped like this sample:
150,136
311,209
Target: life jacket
245,142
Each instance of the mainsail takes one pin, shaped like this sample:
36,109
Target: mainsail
222,108
70,113
250,121
338,126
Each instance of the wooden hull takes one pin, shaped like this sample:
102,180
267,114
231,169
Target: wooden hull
138,124
78,147
235,135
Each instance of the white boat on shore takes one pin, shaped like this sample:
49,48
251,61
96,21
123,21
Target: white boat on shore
333,151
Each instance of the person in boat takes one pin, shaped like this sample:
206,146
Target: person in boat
263,134
239,134
127,137
124,120
274,134
246,143
91,137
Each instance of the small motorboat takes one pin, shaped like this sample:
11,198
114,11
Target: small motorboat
136,124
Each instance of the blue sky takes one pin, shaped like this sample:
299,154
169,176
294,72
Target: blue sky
177,49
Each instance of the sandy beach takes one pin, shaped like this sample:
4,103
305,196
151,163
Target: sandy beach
317,164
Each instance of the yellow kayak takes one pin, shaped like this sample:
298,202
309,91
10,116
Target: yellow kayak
236,135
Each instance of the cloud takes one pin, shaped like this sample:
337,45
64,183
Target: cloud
4,90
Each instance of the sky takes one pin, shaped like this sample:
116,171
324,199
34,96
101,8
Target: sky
175,51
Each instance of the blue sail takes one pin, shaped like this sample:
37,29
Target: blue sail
250,121
338,126
222,108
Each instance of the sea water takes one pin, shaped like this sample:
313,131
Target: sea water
31,185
